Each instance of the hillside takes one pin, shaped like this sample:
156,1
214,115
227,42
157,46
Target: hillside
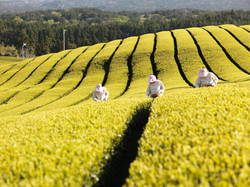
6,60
53,134
119,5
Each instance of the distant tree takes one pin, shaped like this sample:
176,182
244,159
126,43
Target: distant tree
42,30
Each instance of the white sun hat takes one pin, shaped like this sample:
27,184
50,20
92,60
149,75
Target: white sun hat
203,72
99,88
152,79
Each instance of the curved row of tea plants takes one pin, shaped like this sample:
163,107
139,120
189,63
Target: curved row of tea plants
198,138
46,80
68,147
215,57
239,34
71,146
235,51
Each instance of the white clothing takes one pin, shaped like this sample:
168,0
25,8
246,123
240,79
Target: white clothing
156,88
100,95
209,80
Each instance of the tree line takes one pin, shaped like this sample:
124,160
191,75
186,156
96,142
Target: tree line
42,31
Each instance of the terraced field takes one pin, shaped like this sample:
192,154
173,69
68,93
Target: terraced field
53,134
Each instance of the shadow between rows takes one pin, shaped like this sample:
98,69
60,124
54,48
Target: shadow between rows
116,170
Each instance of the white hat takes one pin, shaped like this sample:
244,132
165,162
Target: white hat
99,88
152,79
203,72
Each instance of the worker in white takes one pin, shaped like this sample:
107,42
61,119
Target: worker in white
155,87
206,78
100,93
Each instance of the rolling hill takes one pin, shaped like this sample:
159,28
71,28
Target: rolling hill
53,134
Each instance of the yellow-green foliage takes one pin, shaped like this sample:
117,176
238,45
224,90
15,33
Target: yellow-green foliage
141,66
94,75
165,61
247,27
118,73
24,73
11,72
194,136
25,92
188,54
34,79
67,147
240,33
240,54
9,60
96,71
52,93
215,56
78,67
198,137
43,70
5,68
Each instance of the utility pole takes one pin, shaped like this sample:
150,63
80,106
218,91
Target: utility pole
64,30
23,46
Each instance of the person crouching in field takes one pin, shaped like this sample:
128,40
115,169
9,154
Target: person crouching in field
100,93
205,79
155,87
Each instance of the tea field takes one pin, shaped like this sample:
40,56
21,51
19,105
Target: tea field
53,134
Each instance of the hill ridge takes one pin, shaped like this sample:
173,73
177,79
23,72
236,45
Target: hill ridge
184,40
